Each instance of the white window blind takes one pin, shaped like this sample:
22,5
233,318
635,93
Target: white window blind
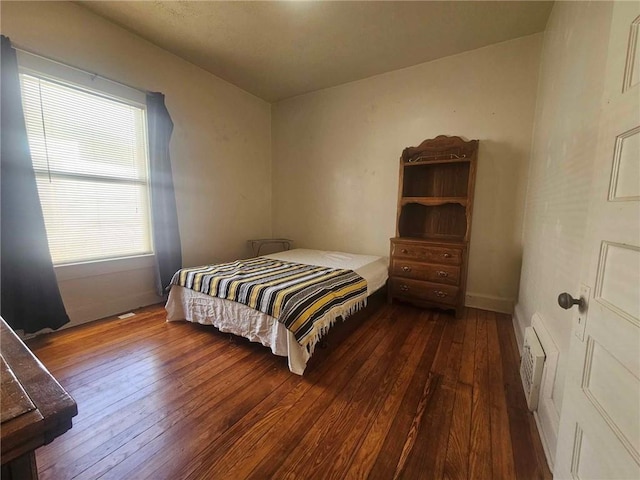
90,158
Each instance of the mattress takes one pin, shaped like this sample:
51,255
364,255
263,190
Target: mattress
238,319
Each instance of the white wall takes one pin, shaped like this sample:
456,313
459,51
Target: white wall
336,154
561,167
220,149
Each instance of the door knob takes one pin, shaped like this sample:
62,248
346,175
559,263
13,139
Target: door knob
566,301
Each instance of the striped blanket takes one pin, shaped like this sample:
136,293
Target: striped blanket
307,299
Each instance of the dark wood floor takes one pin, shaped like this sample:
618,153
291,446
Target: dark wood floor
405,393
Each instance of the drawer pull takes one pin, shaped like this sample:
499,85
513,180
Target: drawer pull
442,273
440,293
446,255
406,269
404,288
404,250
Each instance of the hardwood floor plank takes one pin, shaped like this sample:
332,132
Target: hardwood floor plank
255,425
501,451
441,358
296,460
432,442
364,456
456,458
187,371
481,441
437,452
456,464
280,431
141,369
404,392
135,414
350,422
109,363
372,443
88,334
460,326
130,442
386,465
61,353
226,412
468,348
215,407
430,387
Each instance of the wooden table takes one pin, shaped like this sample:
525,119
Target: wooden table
35,409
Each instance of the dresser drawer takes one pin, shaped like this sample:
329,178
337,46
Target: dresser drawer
427,253
425,291
448,274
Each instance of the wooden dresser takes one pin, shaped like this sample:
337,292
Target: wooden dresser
35,408
428,265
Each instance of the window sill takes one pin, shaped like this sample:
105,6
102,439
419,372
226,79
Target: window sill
73,271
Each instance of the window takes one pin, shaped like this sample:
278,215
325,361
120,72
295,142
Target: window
89,152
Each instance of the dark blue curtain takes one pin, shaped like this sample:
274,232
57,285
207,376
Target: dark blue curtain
164,215
30,298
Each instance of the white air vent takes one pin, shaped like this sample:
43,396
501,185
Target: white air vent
531,366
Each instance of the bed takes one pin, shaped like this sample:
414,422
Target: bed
239,319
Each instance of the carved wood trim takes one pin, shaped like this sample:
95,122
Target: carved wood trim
441,147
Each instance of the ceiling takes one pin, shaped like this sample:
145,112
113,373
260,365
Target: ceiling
281,49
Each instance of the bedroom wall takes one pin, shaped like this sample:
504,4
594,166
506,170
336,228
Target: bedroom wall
335,157
561,168
220,149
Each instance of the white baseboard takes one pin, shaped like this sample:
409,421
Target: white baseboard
548,430
488,302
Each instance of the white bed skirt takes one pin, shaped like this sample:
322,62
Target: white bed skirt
236,318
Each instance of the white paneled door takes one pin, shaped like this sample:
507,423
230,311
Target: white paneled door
599,434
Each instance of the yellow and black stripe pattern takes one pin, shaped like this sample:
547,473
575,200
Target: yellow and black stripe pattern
305,298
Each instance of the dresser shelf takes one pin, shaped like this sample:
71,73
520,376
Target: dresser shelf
434,201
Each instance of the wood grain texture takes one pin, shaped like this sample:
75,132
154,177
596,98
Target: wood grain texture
501,451
407,449
438,418
480,447
35,408
15,401
386,464
405,392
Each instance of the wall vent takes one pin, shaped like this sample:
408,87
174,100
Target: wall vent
531,366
